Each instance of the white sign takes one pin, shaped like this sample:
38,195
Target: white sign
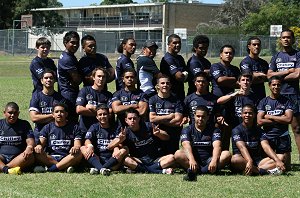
181,32
275,30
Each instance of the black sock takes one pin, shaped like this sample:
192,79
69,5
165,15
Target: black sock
110,163
95,162
53,168
5,169
154,168
140,168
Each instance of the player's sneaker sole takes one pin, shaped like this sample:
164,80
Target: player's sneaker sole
168,171
70,169
15,171
105,171
275,171
94,171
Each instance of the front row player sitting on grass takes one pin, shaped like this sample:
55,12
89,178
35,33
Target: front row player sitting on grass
97,150
142,140
247,145
60,142
201,152
17,141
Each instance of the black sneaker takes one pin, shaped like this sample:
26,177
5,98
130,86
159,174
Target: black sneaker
190,176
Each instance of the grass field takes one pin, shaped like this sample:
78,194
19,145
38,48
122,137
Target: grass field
15,85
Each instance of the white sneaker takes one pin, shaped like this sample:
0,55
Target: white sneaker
94,171
168,171
105,171
70,169
275,171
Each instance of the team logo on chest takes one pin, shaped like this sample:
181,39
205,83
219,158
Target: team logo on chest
124,98
52,137
89,97
43,104
278,60
193,103
158,105
268,107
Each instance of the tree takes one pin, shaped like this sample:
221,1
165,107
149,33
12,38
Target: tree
276,12
6,13
113,2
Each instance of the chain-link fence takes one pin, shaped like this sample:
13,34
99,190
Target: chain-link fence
16,41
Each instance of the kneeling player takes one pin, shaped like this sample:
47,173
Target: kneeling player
246,144
60,142
142,141
201,152
16,141
102,157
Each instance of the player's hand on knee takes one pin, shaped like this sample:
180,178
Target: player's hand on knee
89,152
74,150
28,151
38,149
193,165
249,168
280,165
212,167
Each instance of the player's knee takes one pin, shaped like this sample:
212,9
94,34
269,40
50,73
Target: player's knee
179,155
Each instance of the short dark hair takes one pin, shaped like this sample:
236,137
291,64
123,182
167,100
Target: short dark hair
102,106
12,105
227,46
246,74
123,42
47,71
249,42
99,68
202,108
69,35
201,74
163,76
132,110
60,104
131,70
288,30
42,41
250,106
200,39
87,38
171,37
274,78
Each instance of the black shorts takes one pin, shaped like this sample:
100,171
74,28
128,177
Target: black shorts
281,144
148,160
7,158
295,99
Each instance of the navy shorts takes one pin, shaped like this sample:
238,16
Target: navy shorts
58,157
295,99
148,160
7,158
281,144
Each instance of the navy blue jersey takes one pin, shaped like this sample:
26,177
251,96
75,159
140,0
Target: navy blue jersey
13,136
100,138
239,102
60,139
194,66
250,65
275,107
37,67
146,70
201,142
252,138
142,144
218,70
123,63
169,66
88,95
43,104
209,100
87,64
66,64
284,61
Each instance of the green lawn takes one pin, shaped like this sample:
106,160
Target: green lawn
15,85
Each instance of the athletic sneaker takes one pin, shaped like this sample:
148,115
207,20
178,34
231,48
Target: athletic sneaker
94,171
70,169
39,169
190,176
168,171
275,171
15,171
105,171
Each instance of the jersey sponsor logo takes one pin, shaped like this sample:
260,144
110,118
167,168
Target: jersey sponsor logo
10,138
164,111
102,143
79,99
128,64
284,66
183,136
143,142
217,135
196,70
245,66
88,135
275,112
172,67
238,111
236,137
217,72
252,144
47,110
268,107
89,97
202,143
39,71
129,103
60,142
294,59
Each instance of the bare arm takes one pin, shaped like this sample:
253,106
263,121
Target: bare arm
293,76
225,81
187,148
111,75
88,110
154,118
176,121
259,77
37,117
226,98
142,108
261,120
75,78
117,107
161,134
180,76
282,119
244,151
283,73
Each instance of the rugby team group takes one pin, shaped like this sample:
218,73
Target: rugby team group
141,126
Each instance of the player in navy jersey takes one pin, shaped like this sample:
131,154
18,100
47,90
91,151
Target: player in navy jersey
97,150
69,78
201,147
275,113
41,62
126,48
173,65
197,63
287,65
142,140
166,110
202,97
248,146
92,60
241,97
255,65
42,102
60,142
147,70
90,97
17,141
224,81
129,97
